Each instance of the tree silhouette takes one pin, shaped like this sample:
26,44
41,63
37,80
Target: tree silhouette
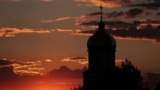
157,86
131,75
126,77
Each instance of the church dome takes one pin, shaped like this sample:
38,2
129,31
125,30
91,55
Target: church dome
101,39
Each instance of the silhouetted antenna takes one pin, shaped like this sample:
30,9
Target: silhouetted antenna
101,11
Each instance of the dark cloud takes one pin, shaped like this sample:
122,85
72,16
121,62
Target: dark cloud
5,62
112,24
131,13
158,14
149,4
134,12
9,80
148,13
137,34
150,21
158,1
95,13
115,14
86,32
89,23
129,30
114,3
7,74
106,3
127,1
154,5
146,33
65,72
23,68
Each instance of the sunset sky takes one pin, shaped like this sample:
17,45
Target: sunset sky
40,36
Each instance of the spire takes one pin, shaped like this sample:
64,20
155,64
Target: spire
101,10
101,23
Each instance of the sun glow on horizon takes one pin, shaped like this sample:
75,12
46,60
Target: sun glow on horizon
42,85
53,86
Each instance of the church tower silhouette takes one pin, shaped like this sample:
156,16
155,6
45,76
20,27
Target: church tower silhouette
101,53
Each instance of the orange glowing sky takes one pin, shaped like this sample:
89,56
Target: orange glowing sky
41,37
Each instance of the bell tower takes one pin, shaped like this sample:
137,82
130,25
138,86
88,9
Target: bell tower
101,48
101,54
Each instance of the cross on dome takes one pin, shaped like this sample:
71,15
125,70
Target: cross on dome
101,10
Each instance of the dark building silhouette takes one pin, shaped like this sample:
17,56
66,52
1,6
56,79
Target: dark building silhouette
102,74
101,52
